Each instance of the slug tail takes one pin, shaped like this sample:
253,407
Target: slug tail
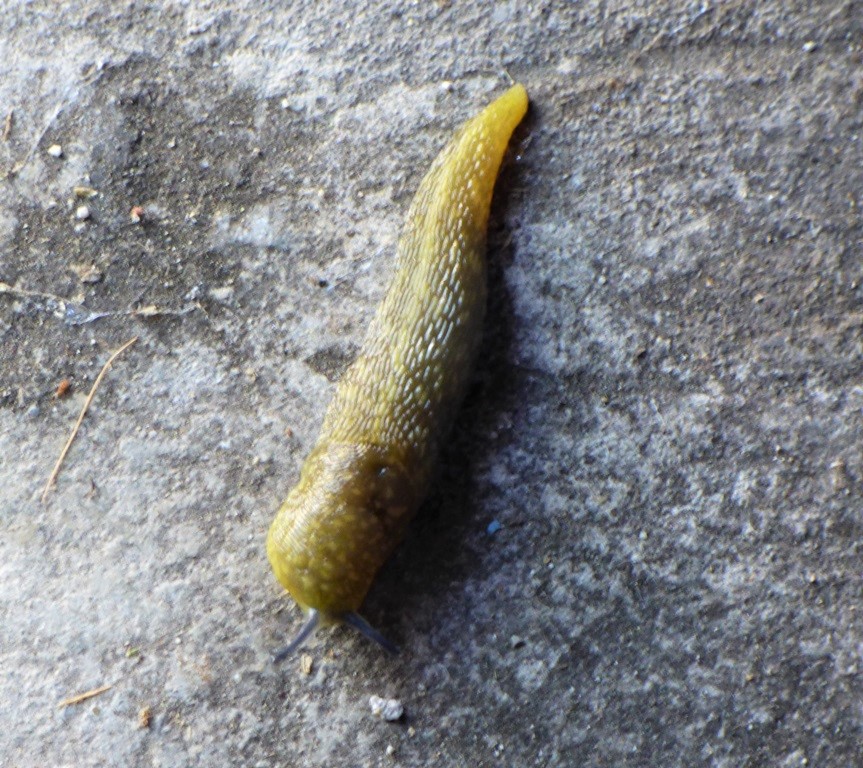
367,630
309,627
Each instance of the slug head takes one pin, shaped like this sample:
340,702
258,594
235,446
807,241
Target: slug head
339,524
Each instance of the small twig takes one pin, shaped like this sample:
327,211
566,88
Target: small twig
70,308
10,289
7,126
151,310
83,696
87,402
18,167
91,76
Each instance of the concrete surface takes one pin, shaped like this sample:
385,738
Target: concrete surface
665,422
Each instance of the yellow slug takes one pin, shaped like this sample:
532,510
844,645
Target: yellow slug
374,458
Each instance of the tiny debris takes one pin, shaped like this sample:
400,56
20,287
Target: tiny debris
55,150
516,642
306,663
87,273
390,750
136,214
62,389
493,527
82,213
145,717
151,310
7,125
84,696
387,709
261,458
839,475
85,193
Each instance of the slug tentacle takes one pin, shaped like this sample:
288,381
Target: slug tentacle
367,630
393,408
312,623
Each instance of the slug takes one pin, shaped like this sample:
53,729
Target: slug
374,459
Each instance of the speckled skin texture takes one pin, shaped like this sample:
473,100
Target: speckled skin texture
373,461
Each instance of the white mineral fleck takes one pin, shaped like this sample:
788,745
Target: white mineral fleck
388,709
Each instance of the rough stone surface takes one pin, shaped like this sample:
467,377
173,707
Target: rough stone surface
665,420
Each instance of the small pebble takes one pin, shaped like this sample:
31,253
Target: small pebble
82,213
493,527
388,709
55,150
306,663
145,717
33,411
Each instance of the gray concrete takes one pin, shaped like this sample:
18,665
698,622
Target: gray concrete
665,421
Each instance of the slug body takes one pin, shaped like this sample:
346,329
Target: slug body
374,459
